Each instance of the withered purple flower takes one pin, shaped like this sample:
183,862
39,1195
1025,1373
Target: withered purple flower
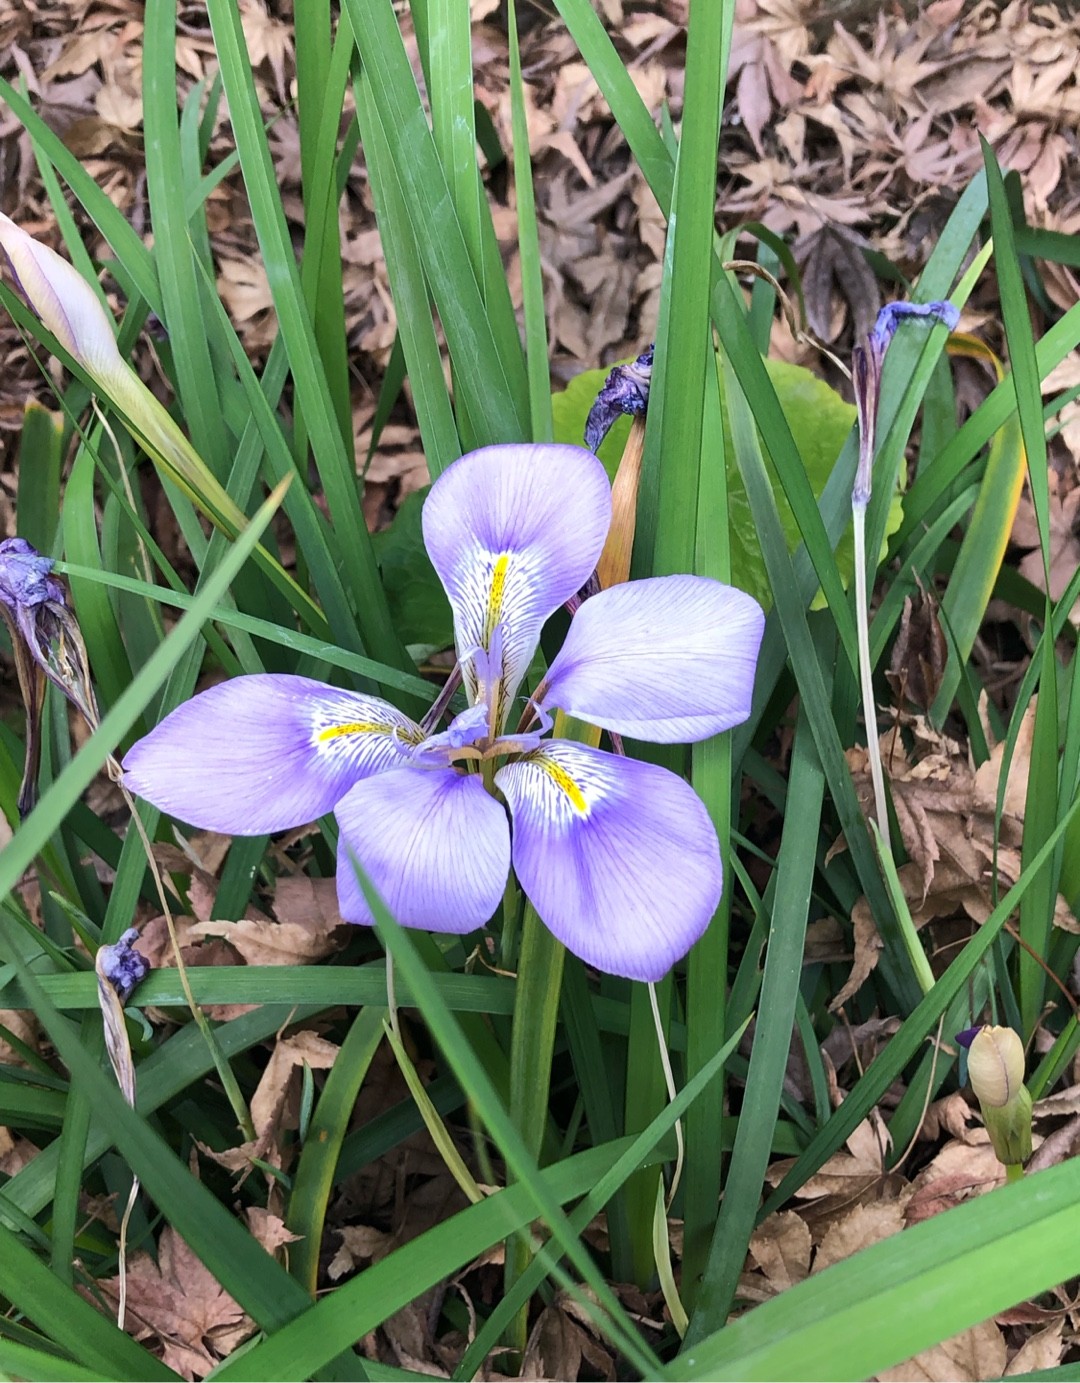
121,966
866,365
624,392
47,644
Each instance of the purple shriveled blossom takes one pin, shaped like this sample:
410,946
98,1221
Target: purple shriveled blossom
47,644
625,391
866,362
122,966
26,585
618,856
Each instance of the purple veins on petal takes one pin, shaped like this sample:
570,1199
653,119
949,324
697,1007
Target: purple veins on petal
670,659
433,843
265,753
513,532
619,857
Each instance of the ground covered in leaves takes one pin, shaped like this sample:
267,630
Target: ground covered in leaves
848,130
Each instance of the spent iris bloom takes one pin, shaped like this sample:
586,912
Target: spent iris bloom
618,856
625,392
47,644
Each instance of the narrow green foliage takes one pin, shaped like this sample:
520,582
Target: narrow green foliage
772,1043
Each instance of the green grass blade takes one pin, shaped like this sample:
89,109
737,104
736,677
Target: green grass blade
491,379
795,867
322,74
23,1361
889,1302
315,1171
532,278
73,1323
453,117
423,358
196,378
1041,807
673,445
706,1004
335,465
324,986
38,499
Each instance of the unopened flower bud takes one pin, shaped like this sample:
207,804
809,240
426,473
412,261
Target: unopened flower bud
996,1073
63,299
996,1065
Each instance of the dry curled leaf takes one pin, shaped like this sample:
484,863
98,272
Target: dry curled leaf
178,1306
274,1104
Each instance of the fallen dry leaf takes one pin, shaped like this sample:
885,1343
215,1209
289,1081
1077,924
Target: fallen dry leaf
976,1354
180,1306
1040,1351
862,1226
273,1106
558,1346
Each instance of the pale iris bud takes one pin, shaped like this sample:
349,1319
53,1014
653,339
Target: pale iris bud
72,311
996,1073
996,1065
64,301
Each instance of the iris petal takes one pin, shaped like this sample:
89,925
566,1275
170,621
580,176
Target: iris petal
670,659
619,857
265,753
433,842
513,532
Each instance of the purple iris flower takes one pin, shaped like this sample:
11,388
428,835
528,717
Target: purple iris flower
618,856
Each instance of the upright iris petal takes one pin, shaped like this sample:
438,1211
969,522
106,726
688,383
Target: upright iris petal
670,659
514,532
265,753
618,856
432,841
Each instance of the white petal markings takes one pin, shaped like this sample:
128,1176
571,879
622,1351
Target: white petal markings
265,753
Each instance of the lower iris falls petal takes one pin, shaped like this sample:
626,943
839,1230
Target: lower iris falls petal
265,753
619,857
433,842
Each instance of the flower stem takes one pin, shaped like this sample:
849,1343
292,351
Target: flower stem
866,675
536,1010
